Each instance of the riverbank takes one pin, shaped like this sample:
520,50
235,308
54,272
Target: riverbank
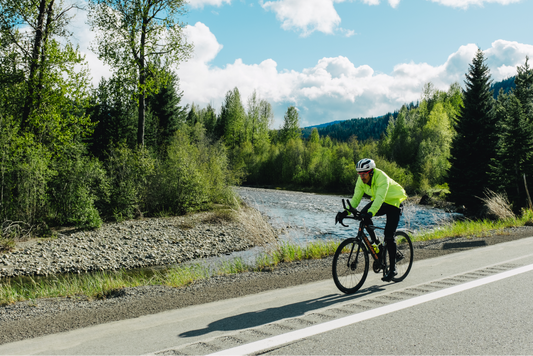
35,318
140,243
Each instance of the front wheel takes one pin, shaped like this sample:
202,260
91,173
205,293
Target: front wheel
350,266
404,256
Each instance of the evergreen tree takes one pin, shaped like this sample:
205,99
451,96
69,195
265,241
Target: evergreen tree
515,146
473,146
514,150
210,120
524,89
166,110
114,116
193,117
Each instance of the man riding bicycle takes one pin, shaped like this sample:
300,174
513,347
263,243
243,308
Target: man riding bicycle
387,197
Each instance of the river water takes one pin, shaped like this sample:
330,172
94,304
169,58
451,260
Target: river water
304,217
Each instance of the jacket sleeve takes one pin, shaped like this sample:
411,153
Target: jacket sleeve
358,193
381,189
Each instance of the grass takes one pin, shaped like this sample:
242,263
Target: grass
100,285
478,228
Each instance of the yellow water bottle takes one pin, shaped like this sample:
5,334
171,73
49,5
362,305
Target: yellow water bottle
376,247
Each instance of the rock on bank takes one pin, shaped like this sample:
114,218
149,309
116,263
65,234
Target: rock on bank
140,243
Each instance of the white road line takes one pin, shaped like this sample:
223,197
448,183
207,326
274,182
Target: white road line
275,341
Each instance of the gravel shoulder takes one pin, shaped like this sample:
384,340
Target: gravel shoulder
31,319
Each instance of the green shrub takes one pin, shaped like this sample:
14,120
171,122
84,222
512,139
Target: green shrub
129,174
79,182
194,175
24,175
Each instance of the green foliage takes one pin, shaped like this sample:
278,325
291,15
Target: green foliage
472,148
114,115
193,177
514,149
138,38
505,86
420,138
258,120
291,125
166,114
231,125
524,89
129,172
79,182
209,118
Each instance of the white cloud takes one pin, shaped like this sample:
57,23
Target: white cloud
201,3
305,15
309,16
206,46
394,3
346,33
467,3
333,89
504,56
84,36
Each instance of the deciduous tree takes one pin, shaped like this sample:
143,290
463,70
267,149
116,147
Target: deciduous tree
291,125
138,37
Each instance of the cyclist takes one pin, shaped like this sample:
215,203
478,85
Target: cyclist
387,197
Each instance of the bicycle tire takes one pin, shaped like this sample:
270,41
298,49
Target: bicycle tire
349,271
404,256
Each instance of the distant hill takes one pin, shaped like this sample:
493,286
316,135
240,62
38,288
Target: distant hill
506,85
324,125
363,129
374,127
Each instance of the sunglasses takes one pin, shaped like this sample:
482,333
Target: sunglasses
363,173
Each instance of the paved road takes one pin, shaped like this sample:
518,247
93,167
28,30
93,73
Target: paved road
472,302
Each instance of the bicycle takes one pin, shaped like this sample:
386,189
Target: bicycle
351,260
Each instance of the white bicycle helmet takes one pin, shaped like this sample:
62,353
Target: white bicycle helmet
366,164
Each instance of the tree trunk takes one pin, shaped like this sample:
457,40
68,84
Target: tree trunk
37,43
142,82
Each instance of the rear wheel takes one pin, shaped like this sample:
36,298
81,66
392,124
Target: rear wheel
404,256
350,266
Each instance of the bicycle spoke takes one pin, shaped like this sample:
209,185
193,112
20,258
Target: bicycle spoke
350,266
404,255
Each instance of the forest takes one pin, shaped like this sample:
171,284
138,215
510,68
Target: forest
76,155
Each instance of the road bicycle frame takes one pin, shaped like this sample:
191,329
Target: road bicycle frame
362,236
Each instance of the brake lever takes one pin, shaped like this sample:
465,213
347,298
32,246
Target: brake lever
337,220
352,210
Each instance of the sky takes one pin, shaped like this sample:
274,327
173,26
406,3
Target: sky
340,59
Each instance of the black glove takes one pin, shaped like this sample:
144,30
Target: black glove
340,216
367,215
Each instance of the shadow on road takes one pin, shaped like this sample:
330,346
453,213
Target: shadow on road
265,316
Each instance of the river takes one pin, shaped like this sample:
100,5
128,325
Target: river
304,217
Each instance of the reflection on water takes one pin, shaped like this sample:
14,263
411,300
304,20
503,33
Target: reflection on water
306,216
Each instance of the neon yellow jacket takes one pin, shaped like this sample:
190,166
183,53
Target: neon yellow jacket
383,189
